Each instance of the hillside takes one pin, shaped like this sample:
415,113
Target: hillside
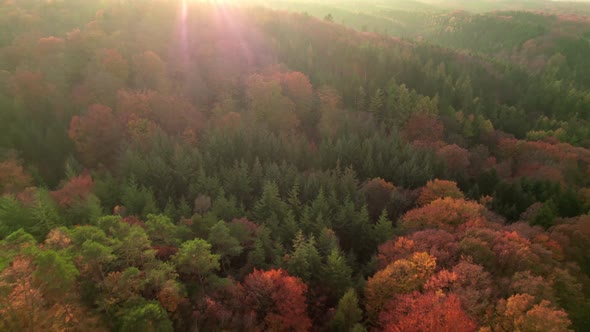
201,166
545,38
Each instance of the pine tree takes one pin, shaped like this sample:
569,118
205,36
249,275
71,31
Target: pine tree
348,313
293,198
270,209
361,100
327,241
224,244
383,229
337,274
304,261
377,102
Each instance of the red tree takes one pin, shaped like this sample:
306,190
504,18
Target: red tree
297,87
423,129
425,313
455,157
276,301
97,135
74,191
399,277
439,189
436,242
446,213
13,178
378,195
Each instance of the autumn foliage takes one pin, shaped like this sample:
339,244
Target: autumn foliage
13,178
76,190
276,301
97,135
399,277
426,312
423,129
272,171
378,194
438,189
446,213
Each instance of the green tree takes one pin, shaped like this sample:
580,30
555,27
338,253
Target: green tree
224,243
55,274
161,230
304,261
337,275
145,316
348,313
195,260
383,229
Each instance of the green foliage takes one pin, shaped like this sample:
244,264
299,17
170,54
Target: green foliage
138,200
55,274
146,316
337,274
285,123
223,243
305,261
383,229
161,230
38,219
348,313
194,258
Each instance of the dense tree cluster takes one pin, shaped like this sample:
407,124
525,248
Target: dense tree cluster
169,165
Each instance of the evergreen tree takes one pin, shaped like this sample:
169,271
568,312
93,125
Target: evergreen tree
383,229
225,245
348,313
304,261
337,274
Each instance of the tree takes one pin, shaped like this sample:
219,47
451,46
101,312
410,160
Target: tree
55,275
348,313
438,243
172,295
13,178
35,297
97,135
383,229
521,313
76,190
275,301
446,213
470,283
161,230
377,101
268,105
378,193
224,244
399,277
426,312
455,158
298,88
438,189
270,209
134,246
202,204
149,71
195,260
145,316
305,261
120,288
573,235
423,129
337,275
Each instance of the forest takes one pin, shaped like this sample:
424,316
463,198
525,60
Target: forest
184,165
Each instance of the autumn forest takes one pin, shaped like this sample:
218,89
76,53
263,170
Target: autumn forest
293,165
